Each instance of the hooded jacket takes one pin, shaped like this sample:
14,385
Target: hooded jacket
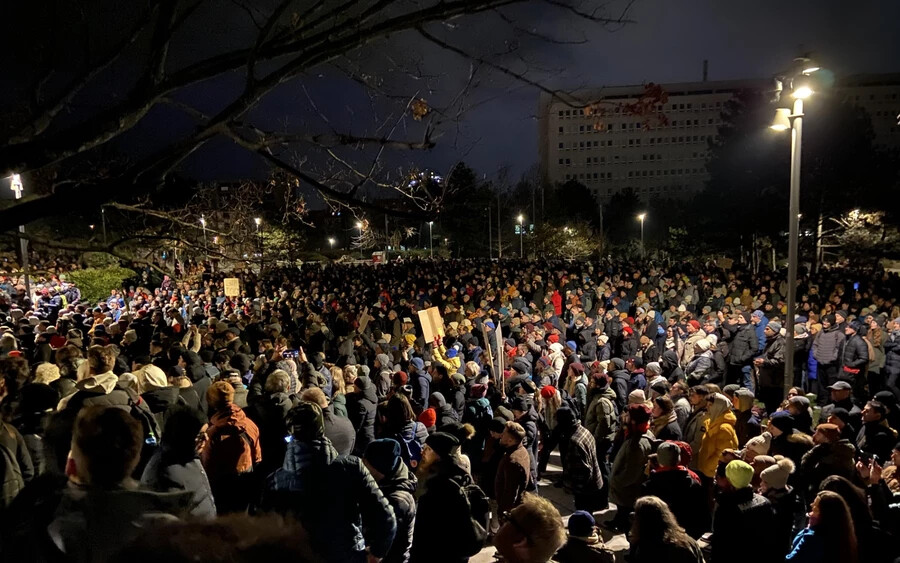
444,411
601,417
96,390
228,453
399,489
361,410
620,383
670,368
164,473
718,436
336,500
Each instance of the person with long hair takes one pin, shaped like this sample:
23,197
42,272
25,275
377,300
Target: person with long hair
830,536
338,392
656,535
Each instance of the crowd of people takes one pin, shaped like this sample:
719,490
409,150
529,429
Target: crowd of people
310,417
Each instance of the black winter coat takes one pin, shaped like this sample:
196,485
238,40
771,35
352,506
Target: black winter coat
399,489
744,346
339,430
361,411
621,381
683,494
440,503
892,354
876,438
856,353
736,513
269,413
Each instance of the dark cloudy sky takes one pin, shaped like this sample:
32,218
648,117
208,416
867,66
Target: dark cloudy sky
667,43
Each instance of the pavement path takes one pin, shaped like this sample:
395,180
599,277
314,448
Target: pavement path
564,503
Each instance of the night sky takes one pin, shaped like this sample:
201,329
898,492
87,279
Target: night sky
667,43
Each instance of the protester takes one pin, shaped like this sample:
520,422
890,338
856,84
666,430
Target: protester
657,536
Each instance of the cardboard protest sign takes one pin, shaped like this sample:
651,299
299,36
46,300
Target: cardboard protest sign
432,324
232,287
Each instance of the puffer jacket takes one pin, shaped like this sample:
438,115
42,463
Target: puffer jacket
744,346
399,489
856,353
826,348
620,382
361,411
336,500
718,435
892,354
699,369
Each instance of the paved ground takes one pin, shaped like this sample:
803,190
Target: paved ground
563,502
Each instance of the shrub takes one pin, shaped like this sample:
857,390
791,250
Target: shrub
96,283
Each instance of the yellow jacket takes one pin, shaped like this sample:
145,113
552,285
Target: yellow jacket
718,436
452,364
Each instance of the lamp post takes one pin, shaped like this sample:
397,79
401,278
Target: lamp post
359,226
205,246
17,186
331,242
430,240
258,222
641,217
521,235
784,119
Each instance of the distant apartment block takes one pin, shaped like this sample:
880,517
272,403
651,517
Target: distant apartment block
670,160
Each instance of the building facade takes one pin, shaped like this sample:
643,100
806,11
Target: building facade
668,160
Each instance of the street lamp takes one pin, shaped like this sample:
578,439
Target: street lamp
521,235
16,185
258,222
359,226
430,240
205,246
641,217
801,88
331,242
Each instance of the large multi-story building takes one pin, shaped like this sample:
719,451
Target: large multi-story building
618,151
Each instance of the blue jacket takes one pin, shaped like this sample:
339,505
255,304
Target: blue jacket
808,547
761,334
336,500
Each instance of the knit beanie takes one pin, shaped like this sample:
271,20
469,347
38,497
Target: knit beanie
306,422
782,421
746,316
384,455
637,397
428,417
694,323
478,391
775,326
739,474
668,454
777,475
760,444
443,444
581,524
571,345
548,391
219,394
653,367
730,389
400,378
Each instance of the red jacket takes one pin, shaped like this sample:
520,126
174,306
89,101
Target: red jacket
233,446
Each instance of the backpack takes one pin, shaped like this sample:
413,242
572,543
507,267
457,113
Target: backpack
473,534
11,481
152,434
569,402
410,448
610,416
479,414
